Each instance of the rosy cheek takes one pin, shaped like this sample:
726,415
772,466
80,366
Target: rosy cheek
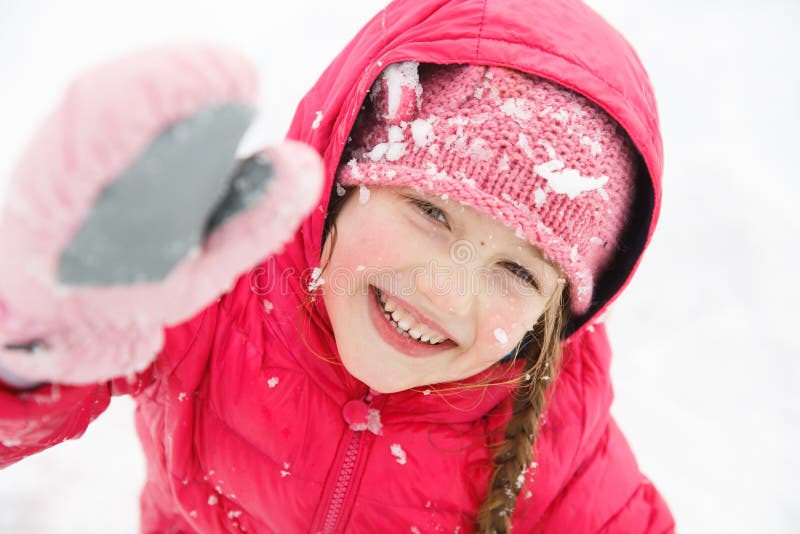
502,327
368,244
364,248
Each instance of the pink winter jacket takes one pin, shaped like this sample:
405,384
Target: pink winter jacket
244,416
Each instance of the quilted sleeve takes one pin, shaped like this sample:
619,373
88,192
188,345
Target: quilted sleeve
37,418
608,494
644,509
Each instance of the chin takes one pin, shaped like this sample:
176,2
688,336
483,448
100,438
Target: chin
380,389
378,383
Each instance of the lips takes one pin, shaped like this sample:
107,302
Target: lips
402,343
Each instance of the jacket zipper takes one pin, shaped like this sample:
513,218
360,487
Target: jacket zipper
342,483
345,476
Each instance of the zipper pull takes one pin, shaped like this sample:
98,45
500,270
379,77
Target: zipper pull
359,415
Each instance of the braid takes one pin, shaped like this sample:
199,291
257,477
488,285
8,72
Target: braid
513,455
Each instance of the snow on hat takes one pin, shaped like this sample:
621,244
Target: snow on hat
536,156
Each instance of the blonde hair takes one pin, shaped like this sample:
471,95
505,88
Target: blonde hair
514,453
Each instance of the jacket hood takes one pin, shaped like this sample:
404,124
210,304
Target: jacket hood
569,44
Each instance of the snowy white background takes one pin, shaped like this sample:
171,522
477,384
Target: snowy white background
707,361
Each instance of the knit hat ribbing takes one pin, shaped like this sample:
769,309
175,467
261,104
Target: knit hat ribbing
538,157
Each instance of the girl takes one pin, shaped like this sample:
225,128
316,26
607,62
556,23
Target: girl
424,352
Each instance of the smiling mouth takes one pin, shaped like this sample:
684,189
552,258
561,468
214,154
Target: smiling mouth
424,340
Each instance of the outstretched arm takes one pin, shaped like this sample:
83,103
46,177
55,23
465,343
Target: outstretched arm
127,214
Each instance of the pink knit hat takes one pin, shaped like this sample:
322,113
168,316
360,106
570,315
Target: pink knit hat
538,157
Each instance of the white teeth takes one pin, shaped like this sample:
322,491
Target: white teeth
413,333
402,323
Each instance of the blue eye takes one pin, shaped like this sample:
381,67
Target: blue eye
431,211
521,273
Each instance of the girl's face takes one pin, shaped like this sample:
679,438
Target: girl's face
421,289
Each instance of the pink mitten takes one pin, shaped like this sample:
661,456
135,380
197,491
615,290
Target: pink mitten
129,212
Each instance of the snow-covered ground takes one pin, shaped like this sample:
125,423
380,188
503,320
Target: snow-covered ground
706,365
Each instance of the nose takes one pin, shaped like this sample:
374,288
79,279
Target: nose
448,287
